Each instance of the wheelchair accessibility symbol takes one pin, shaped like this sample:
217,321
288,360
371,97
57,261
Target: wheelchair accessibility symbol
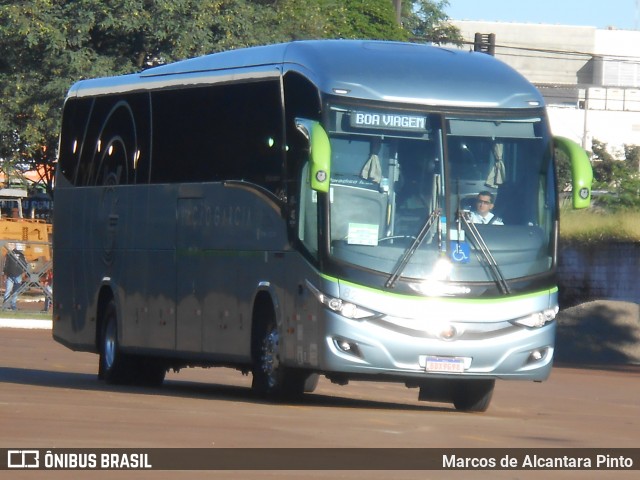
460,252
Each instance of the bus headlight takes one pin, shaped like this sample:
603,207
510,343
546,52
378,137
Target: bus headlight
538,319
346,309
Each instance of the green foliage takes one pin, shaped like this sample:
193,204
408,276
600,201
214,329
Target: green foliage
301,19
614,214
593,226
632,157
619,178
427,21
47,45
605,167
563,168
374,19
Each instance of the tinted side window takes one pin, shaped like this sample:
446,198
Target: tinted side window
105,140
214,133
74,123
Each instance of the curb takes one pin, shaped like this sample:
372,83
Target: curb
27,323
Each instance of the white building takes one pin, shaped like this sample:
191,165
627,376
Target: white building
590,78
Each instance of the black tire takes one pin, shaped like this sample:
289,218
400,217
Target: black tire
148,371
473,395
115,366
270,378
311,382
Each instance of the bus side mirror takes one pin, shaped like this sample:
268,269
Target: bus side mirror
581,171
320,147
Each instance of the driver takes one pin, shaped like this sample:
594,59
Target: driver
482,213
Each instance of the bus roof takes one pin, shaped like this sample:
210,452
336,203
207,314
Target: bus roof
370,70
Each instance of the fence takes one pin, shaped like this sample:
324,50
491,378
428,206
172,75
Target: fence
35,277
603,271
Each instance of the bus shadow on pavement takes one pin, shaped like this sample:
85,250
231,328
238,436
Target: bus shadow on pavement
224,392
194,390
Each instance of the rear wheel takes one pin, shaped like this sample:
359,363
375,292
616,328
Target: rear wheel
149,372
117,367
114,365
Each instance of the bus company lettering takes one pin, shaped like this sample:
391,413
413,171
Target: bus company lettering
388,120
231,216
198,215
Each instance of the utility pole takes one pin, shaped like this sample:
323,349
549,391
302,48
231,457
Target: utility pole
485,43
585,126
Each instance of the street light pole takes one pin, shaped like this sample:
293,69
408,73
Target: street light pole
585,126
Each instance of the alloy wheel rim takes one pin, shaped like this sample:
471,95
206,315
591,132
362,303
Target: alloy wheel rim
109,345
270,357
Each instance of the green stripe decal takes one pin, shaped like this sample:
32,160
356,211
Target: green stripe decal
446,299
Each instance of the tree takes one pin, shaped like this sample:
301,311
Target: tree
563,168
47,45
632,157
426,21
374,19
604,166
301,19
619,177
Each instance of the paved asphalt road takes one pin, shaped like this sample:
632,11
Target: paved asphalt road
50,398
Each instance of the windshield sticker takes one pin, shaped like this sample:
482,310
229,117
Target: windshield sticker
455,235
460,252
362,234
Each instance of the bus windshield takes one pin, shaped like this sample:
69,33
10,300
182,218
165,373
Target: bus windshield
408,190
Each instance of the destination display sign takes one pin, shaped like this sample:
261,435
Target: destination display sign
388,121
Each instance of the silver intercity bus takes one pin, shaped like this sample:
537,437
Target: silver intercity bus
310,209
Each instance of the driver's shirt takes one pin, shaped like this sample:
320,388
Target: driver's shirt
476,218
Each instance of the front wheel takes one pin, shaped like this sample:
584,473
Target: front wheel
473,395
467,395
270,377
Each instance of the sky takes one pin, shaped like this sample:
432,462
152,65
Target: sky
621,14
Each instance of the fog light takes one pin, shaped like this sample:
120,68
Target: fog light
347,346
537,355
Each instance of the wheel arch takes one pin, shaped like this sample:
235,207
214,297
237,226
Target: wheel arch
265,310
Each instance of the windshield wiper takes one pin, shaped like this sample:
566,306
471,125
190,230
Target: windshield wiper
486,253
434,217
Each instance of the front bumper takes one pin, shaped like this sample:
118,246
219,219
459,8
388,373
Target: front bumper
381,347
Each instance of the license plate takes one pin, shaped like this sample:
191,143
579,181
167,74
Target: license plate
445,364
